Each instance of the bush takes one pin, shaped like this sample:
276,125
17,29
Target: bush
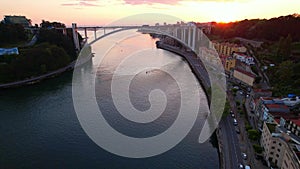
241,111
226,109
257,148
234,90
248,127
253,134
32,62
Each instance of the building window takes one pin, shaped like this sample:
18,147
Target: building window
274,142
285,163
270,159
277,155
279,144
272,147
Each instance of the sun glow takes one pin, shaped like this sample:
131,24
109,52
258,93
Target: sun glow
224,11
99,12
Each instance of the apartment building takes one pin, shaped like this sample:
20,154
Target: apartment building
244,76
267,109
279,148
22,20
226,48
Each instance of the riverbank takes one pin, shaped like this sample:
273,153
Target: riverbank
195,64
203,78
38,78
52,74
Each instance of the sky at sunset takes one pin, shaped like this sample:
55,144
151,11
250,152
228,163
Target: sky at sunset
101,12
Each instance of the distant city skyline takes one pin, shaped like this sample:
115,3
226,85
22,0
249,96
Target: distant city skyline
102,12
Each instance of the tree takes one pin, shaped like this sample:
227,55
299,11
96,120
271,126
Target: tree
284,48
253,134
47,24
285,71
264,29
226,109
257,79
257,148
55,37
12,33
248,127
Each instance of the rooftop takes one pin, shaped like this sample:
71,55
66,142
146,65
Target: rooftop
271,127
262,90
293,137
271,100
229,44
8,19
240,53
296,121
245,72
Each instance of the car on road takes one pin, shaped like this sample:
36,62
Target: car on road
236,87
247,95
235,122
247,167
232,115
237,130
241,92
241,166
244,156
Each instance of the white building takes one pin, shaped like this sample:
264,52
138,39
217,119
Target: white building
244,58
291,101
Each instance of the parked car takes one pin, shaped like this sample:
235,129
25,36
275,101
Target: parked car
247,167
241,166
244,156
236,87
248,89
235,122
237,130
232,115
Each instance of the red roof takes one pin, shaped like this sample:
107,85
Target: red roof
245,72
240,53
296,121
261,90
277,121
276,106
267,98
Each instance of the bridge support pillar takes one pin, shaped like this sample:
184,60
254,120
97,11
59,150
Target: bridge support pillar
104,31
184,33
95,33
194,37
75,37
189,36
85,33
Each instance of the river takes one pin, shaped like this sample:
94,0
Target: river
39,127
